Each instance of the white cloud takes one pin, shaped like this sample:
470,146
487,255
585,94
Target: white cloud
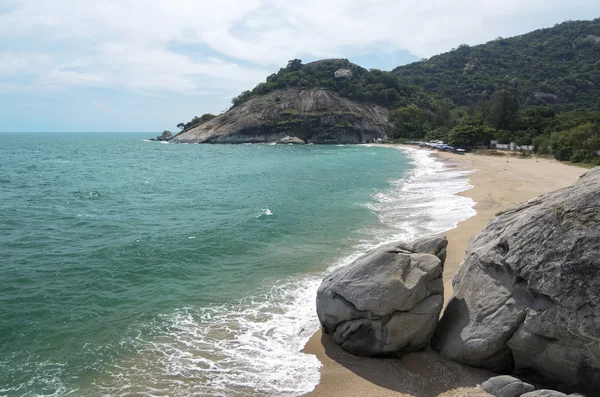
128,44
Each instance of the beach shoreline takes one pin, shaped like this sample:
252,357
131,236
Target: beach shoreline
497,183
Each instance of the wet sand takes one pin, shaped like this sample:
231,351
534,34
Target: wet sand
498,183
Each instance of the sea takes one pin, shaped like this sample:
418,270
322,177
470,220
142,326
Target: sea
131,267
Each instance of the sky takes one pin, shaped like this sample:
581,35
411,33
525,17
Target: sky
146,65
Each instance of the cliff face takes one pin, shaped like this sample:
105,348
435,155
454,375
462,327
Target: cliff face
313,115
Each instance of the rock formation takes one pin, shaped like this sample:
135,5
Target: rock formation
506,386
292,139
312,115
527,295
343,74
165,136
388,301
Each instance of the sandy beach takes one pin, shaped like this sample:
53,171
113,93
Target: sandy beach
498,183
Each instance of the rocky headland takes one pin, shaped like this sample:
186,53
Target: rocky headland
294,116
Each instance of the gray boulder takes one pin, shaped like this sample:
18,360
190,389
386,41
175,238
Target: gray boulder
527,295
506,386
388,301
544,393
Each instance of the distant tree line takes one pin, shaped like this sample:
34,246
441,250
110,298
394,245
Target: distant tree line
569,136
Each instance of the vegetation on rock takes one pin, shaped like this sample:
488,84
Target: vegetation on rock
196,121
365,86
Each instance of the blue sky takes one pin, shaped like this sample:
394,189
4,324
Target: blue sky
145,65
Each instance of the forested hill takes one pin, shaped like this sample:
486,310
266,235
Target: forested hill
557,67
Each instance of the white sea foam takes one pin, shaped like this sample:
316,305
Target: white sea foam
265,212
425,200
253,347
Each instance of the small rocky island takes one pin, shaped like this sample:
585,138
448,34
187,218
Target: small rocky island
526,298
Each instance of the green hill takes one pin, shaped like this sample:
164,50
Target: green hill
557,67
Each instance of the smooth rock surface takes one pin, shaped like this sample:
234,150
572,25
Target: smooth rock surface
544,393
506,386
527,295
388,301
313,115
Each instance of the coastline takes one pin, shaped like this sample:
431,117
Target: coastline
497,184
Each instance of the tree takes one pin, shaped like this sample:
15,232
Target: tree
181,126
470,135
294,64
198,120
411,122
503,111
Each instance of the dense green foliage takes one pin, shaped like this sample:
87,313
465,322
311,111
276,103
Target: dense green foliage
569,136
367,86
557,67
196,121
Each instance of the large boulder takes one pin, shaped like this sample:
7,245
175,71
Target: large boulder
506,386
527,295
388,301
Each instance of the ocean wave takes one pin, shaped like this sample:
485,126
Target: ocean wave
425,201
265,212
253,346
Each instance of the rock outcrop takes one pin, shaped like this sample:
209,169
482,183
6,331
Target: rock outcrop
527,295
386,302
343,74
506,386
165,136
292,139
312,115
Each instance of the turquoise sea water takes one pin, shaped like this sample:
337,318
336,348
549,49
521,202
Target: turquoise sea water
130,267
